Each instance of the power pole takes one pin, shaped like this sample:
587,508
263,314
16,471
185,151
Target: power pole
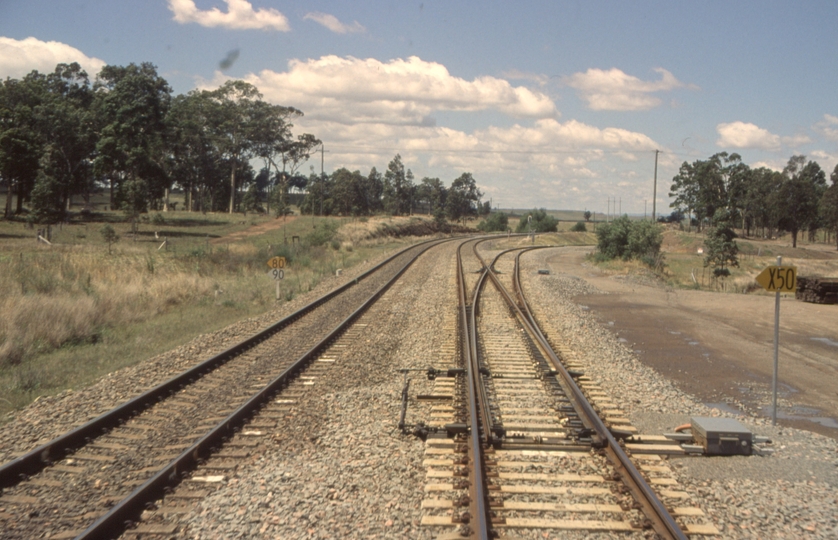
322,180
655,186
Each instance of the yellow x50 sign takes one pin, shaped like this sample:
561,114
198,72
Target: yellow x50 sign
778,279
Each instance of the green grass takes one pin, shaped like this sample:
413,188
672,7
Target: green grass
73,311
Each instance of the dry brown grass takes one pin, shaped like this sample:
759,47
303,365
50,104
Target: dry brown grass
67,296
72,312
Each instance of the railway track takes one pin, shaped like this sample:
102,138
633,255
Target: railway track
535,456
96,480
544,466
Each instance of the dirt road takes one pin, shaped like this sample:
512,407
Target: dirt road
255,230
719,347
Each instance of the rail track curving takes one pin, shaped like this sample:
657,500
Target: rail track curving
535,455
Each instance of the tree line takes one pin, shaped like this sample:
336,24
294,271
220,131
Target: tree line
64,136
723,192
394,192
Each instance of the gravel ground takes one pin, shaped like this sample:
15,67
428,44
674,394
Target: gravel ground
343,470
790,494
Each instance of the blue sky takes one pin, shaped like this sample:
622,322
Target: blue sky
548,104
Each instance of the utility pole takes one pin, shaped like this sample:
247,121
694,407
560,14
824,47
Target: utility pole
322,180
655,186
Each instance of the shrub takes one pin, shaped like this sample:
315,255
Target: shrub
579,227
322,233
626,239
495,222
109,236
720,249
541,222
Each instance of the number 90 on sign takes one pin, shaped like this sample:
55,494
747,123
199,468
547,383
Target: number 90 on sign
277,273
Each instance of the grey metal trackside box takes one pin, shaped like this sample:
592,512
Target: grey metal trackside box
722,436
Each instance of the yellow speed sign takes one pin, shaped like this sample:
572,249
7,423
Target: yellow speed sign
778,279
276,262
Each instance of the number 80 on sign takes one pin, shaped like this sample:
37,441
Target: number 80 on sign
276,262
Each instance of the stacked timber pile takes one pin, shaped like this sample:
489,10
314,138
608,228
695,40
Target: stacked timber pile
818,290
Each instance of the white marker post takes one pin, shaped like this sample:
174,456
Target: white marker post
277,264
278,274
529,227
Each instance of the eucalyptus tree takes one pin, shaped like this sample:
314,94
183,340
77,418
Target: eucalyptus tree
735,178
235,127
292,153
66,124
431,192
21,145
271,134
374,191
796,200
720,248
684,190
194,162
463,198
762,184
828,205
348,197
131,103
319,196
707,186
399,189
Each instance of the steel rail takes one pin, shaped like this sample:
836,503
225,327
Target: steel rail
662,521
129,509
492,432
479,486
12,472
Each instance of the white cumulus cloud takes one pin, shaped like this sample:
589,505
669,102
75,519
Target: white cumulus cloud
367,110
240,15
747,135
615,90
332,23
828,127
352,90
19,57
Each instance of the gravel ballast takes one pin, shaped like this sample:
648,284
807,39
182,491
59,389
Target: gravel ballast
342,469
790,494
339,468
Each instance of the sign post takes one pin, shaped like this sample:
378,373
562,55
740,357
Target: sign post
778,279
277,265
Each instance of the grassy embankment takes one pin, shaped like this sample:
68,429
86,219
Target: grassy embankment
685,265
73,311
